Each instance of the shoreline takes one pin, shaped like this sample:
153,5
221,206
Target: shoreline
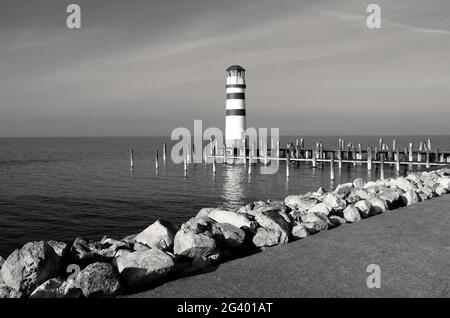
163,252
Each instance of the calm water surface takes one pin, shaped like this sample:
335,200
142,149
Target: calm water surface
60,188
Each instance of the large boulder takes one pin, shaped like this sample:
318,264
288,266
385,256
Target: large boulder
439,189
364,208
409,197
403,184
228,235
357,195
316,222
343,190
391,197
57,288
334,203
299,230
377,204
193,245
300,202
158,235
28,267
358,183
274,221
138,269
351,214
268,237
320,208
99,280
237,219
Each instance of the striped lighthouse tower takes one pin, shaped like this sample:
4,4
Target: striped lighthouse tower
235,116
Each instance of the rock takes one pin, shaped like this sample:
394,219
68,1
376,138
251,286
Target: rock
439,189
141,268
377,204
357,195
319,222
364,208
403,184
201,263
130,239
337,220
86,252
315,227
334,203
237,219
269,237
8,292
296,215
358,183
422,196
61,249
343,190
228,235
204,213
321,191
299,230
57,288
320,208
391,197
272,220
193,245
99,280
300,202
198,225
28,267
138,247
409,197
351,214
2,261
158,235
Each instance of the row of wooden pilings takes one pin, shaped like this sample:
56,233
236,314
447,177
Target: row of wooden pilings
296,153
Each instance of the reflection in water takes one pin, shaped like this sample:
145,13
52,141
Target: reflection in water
233,189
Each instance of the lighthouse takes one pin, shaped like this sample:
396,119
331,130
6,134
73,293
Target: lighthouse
235,106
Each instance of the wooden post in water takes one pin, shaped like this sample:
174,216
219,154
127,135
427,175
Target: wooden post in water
360,152
437,155
225,155
250,154
332,165
278,149
354,155
369,158
287,166
397,160
156,160
410,158
131,159
380,144
419,155
429,144
244,151
382,165
266,156
164,152
340,158
214,163
427,158
185,162
313,161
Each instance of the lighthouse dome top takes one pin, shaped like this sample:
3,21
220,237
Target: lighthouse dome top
235,68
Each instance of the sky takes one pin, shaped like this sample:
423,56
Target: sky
144,68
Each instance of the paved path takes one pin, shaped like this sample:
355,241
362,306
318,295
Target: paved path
410,244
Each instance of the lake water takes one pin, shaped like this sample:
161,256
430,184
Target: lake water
61,188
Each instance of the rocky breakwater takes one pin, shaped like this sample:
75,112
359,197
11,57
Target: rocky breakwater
162,252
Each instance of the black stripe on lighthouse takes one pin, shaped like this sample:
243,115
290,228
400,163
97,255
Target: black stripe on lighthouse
235,112
235,95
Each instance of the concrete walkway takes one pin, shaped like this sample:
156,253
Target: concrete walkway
411,245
